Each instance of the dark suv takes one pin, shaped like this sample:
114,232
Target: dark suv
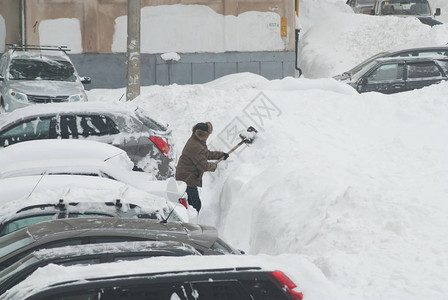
396,74
65,232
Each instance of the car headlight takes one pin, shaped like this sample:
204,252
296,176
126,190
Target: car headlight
18,96
77,97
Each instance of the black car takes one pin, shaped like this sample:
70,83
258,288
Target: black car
65,232
397,74
161,278
87,255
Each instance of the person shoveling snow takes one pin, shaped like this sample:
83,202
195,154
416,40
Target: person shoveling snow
193,161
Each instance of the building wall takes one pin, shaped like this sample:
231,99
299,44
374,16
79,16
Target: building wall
10,11
97,17
109,70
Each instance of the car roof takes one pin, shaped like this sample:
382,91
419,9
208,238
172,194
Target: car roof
63,149
413,58
50,109
70,188
42,280
87,227
39,54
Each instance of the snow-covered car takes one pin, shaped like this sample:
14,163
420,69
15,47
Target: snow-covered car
147,142
32,199
420,9
408,52
89,254
82,157
171,278
398,74
32,74
361,6
80,231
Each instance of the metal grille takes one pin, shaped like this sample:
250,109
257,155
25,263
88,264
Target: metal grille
47,99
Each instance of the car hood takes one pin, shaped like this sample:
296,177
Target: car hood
47,88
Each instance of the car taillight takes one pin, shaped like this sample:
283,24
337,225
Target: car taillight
184,202
289,287
161,144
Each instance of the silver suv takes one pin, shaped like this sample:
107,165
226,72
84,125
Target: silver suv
34,74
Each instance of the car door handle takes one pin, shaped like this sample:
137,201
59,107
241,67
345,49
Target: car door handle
398,85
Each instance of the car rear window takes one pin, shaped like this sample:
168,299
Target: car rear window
152,124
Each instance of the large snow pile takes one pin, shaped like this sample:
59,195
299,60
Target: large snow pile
334,44
356,184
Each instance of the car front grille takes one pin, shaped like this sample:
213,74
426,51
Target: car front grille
47,99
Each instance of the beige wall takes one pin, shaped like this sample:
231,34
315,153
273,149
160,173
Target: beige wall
10,11
97,17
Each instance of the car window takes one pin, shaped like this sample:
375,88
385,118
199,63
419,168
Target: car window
34,129
387,72
444,65
423,70
41,69
410,7
17,224
95,125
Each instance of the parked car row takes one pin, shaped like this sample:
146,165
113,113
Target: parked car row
87,193
398,71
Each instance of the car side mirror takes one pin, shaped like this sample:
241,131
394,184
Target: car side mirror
438,12
86,80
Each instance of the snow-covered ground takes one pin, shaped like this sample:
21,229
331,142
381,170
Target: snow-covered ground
351,189
355,184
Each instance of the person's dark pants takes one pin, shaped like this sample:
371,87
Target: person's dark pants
193,197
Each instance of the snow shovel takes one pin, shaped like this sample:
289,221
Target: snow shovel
246,138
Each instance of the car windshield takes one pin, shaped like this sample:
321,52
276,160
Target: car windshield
406,7
41,69
361,66
17,224
365,2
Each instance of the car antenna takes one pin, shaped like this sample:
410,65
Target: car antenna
164,221
121,97
106,159
37,183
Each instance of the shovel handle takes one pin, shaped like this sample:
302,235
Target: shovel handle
231,150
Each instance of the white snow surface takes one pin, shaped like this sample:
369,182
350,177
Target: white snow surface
355,184
170,56
198,28
61,32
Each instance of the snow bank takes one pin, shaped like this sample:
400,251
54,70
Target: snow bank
198,28
354,184
61,32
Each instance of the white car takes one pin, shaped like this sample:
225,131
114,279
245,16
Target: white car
83,157
33,199
32,75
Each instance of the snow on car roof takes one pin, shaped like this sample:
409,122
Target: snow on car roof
135,246
71,188
59,108
40,54
67,149
52,274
